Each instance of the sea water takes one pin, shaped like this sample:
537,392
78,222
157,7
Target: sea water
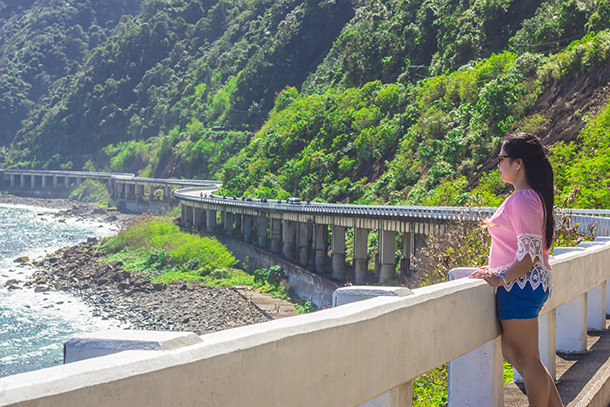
34,326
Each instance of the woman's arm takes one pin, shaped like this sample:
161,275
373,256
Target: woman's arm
518,269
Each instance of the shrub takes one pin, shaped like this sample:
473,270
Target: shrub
90,191
272,276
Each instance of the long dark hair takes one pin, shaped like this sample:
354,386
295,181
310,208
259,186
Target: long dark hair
538,173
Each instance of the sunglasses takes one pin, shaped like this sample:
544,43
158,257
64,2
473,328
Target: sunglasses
501,158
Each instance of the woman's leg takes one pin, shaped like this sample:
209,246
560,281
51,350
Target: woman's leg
509,354
521,346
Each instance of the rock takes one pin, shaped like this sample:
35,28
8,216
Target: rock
41,288
124,274
91,240
12,281
110,218
100,211
115,264
22,259
102,281
159,287
122,286
129,293
40,280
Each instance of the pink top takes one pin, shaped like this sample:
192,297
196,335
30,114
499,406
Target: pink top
517,230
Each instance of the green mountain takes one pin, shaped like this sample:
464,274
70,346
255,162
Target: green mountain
42,42
401,101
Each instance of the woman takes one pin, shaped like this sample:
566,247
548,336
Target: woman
522,231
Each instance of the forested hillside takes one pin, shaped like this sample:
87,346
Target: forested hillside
43,41
363,100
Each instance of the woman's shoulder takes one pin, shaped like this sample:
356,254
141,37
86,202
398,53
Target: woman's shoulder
525,198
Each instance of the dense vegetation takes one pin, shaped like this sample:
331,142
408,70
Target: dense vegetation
42,42
428,138
359,101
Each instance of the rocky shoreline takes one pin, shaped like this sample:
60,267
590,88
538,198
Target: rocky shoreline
115,293
119,294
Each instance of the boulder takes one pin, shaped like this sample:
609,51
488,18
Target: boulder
41,288
22,259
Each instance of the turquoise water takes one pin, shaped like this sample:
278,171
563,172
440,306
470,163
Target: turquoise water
34,326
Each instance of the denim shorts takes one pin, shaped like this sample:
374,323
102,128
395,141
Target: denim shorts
520,303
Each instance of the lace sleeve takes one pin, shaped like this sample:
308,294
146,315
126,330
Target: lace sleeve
528,243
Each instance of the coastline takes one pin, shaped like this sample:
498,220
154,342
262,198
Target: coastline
117,294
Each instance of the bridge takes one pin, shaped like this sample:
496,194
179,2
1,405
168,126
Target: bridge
136,194
361,352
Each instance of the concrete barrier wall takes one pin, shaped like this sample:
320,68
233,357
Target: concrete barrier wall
342,356
307,286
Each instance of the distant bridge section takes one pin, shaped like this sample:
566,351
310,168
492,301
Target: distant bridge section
133,193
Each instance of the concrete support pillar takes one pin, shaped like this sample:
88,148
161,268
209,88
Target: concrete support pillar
79,180
288,229
247,228
480,369
67,181
401,395
44,182
167,191
229,218
261,231
360,256
337,247
237,220
139,191
607,297
303,234
572,325
319,245
197,212
33,181
55,181
210,221
151,193
408,248
275,235
22,181
596,308
12,180
387,255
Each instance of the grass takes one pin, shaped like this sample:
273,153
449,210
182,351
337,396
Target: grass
156,249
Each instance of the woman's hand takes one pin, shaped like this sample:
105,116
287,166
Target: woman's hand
484,274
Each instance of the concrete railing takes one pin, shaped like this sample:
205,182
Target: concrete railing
344,356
